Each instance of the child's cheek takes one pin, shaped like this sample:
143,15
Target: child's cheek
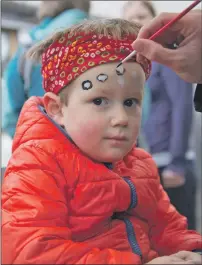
92,127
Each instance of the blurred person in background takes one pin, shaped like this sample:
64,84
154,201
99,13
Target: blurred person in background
168,128
22,77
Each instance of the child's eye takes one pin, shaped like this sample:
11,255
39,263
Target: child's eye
131,102
100,101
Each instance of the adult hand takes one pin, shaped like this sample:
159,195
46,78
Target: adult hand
172,259
186,59
189,256
172,179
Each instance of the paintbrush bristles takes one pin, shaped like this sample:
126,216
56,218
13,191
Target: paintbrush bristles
127,58
119,65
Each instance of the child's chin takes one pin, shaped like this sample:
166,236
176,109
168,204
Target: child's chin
109,157
113,158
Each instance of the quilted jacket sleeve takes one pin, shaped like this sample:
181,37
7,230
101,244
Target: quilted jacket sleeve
35,216
167,228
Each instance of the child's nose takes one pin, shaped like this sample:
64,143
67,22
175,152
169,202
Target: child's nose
120,117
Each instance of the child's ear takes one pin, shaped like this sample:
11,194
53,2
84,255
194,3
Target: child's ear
53,106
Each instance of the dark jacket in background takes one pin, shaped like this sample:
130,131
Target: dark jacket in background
198,98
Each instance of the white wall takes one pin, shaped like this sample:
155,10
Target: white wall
113,8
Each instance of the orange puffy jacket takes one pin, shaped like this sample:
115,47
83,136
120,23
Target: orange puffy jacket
60,207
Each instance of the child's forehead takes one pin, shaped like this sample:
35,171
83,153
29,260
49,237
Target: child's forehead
130,70
110,70
104,77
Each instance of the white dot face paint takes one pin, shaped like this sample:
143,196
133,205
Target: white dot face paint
102,77
120,70
134,74
87,85
121,81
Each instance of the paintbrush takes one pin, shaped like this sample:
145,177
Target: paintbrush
161,30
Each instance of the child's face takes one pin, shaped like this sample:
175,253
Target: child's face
138,12
103,117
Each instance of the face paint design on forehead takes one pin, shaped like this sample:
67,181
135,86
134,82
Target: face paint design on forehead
121,81
120,70
102,77
87,84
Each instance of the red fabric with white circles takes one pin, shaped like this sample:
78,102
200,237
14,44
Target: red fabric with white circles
70,56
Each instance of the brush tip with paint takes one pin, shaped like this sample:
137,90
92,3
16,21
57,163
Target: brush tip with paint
133,53
120,69
119,65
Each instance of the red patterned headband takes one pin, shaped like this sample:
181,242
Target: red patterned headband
72,55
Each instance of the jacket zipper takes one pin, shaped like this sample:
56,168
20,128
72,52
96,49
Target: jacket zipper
133,200
132,237
129,226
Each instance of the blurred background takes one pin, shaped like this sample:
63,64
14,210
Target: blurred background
19,17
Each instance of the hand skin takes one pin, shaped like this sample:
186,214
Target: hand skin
196,258
186,59
172,179
182,257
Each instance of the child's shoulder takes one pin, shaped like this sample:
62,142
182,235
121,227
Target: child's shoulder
35,129
142,163
140,153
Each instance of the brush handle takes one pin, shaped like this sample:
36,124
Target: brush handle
128,57
161,30
170,23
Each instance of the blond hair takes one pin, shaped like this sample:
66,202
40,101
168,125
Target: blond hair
54,8
116,28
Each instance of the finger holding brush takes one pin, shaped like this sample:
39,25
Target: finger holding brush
186,35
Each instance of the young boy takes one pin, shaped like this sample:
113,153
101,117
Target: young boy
76,190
